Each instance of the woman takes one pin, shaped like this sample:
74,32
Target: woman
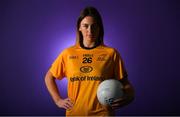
86,65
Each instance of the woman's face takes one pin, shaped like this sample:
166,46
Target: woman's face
89,29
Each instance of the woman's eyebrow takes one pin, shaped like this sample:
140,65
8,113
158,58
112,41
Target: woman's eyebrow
89,24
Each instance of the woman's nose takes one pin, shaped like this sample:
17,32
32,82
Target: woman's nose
90,29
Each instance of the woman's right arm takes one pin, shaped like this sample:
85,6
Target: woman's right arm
54,92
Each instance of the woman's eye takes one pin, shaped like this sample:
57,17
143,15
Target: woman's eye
85,26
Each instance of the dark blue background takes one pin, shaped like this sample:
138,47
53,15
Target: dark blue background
34,32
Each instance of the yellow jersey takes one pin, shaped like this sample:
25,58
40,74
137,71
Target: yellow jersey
85,69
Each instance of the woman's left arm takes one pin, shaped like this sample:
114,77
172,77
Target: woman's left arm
128,96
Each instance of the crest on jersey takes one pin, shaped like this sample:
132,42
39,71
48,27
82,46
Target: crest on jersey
86,69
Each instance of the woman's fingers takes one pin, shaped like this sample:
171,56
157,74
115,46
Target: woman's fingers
117,103
69,104
65,103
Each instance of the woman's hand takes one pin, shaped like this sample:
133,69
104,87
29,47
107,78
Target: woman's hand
53,90
127,98
64,103
118,103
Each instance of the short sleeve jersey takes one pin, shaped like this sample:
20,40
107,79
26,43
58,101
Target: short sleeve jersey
85,69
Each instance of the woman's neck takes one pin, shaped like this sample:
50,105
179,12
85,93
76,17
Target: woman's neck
89,44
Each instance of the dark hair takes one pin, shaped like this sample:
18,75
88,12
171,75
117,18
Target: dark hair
93,12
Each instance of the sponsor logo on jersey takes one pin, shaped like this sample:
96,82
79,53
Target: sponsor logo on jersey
86,78
86,69
87,55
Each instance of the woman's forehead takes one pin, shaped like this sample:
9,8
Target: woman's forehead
88,20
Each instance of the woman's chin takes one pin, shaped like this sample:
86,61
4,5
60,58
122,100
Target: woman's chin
91,39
